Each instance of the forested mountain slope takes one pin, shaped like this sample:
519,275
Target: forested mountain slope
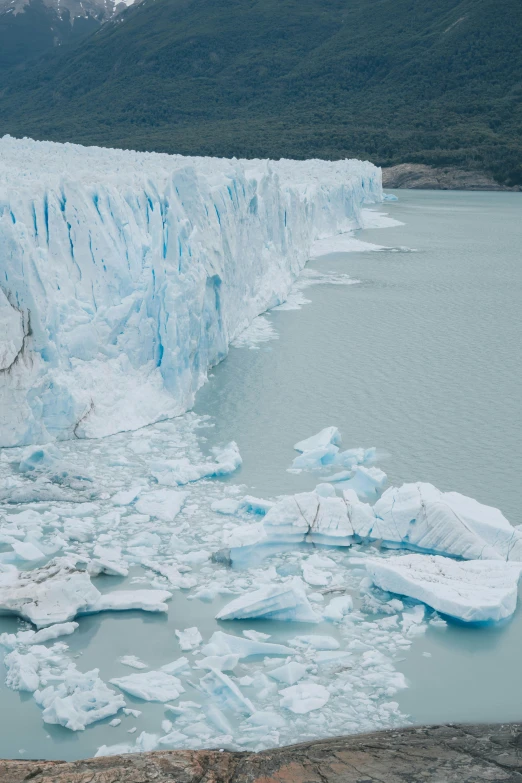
390,80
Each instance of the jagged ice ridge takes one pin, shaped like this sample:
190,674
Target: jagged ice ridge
124,276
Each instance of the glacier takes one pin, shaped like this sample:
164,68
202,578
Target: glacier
125,276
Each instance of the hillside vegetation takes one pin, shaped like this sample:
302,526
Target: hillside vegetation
390,80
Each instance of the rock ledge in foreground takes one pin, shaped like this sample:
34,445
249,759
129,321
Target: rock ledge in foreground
435,754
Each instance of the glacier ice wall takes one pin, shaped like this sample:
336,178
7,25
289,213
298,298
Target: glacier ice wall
124,276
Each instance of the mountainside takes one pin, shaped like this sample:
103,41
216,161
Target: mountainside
391,80
29,28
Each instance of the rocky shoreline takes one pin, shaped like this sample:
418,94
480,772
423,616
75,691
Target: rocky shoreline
434,754
418,176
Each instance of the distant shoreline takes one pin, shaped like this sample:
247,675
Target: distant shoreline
419,176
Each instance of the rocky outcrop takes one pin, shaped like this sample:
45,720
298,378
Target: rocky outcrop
421,177
436,754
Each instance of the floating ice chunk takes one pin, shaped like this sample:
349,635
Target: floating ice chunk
126,496
303,698
315,570
123,600
105,564
223,643
172,573
52,594
286,601
150,686
338,608
27,551
421,517
11,640
189,639
40,458
146,742
389,197
222,663
289,673
256,636
175,666
135,713
246,536
173,739
326,437
315,641
315,458
119,749
266,718
251,505
219,685
215,716
361,515
78,529
472,591
22,671
353,457
177,472
165,504
79,700
115,722
183,708
330,657
227,506
368,483
133,661
309,517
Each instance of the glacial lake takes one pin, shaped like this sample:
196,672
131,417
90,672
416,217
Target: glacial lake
421,359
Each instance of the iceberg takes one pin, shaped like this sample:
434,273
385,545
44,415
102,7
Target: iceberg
328,436
150,686
55,593
318,517
189,639
422,518
218,684
126,275
315,458
367,483
58,592
303,698
177,472
78,701
289,673
471,591
285,601
165,504
223,644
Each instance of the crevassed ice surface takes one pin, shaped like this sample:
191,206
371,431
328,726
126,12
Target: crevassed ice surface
124,276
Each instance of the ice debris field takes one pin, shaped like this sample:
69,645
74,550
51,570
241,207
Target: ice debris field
124,278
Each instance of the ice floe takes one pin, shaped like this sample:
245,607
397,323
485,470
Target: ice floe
305,697
421,517
150,686
471,591
286,601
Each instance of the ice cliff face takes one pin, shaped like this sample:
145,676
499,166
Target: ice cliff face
124,276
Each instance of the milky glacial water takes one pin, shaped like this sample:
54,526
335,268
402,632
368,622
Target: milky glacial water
421,359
